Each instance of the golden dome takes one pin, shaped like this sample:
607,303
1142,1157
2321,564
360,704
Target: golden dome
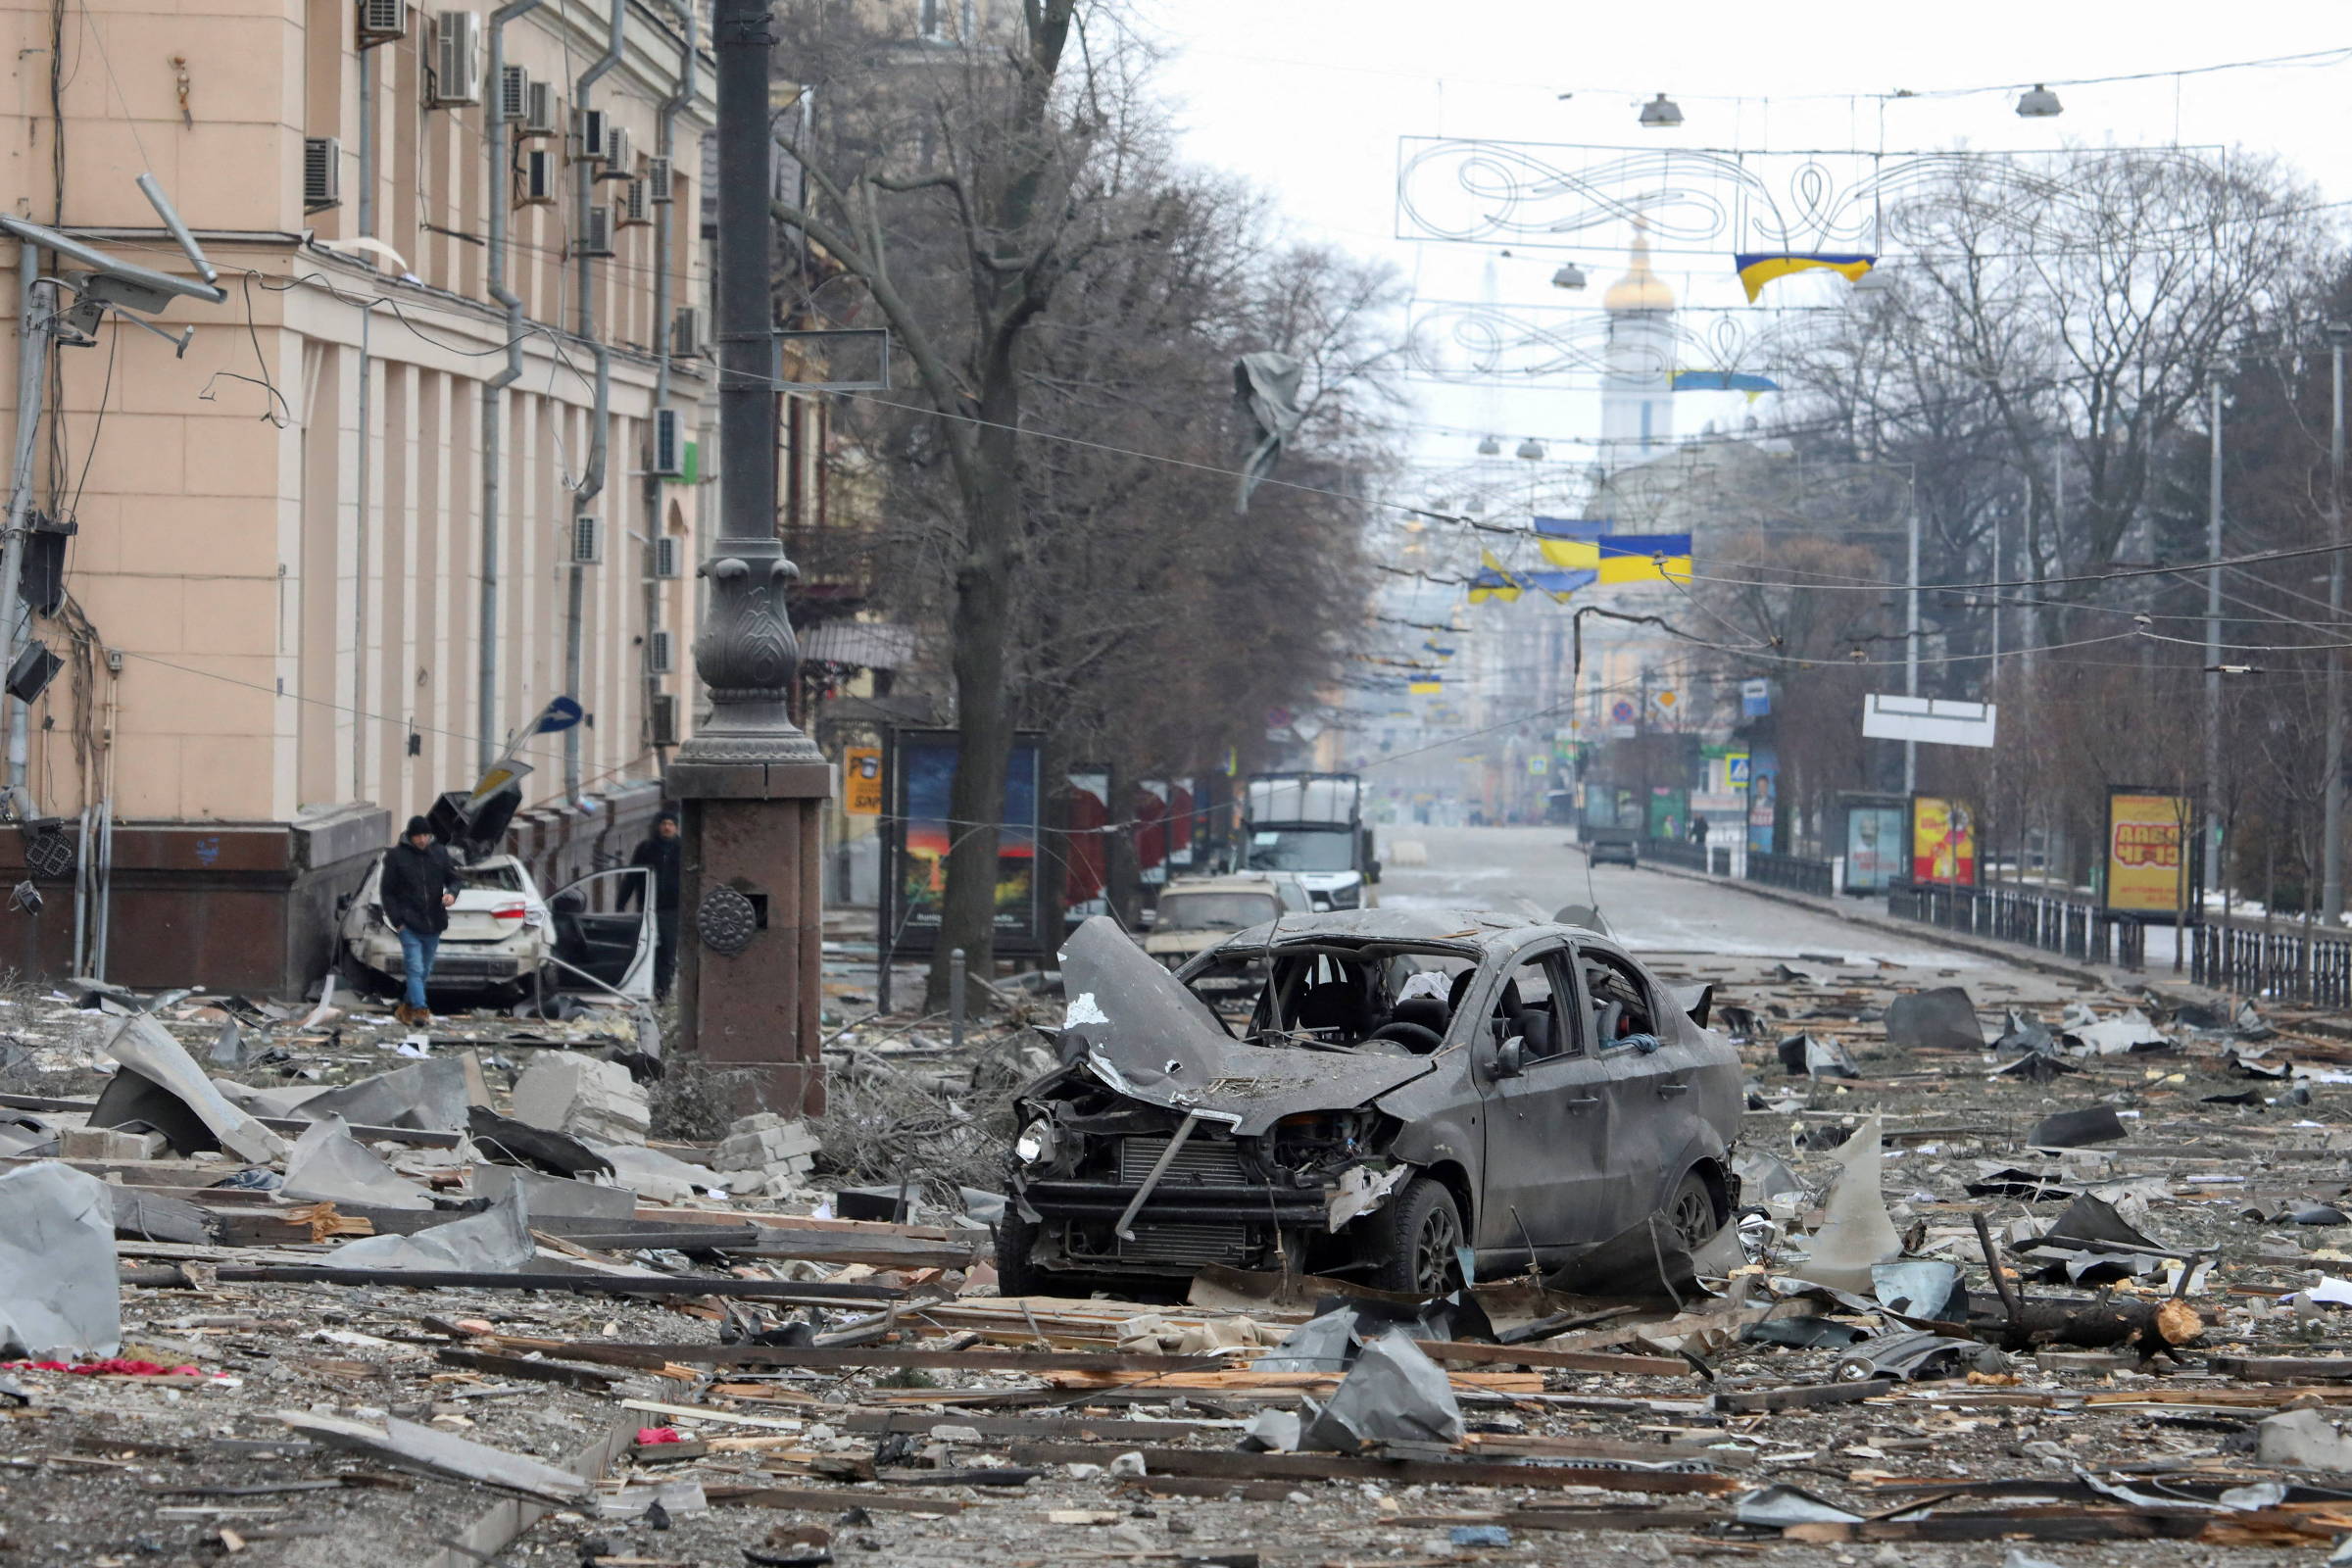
1639,290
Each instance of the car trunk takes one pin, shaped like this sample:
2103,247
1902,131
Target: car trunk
485,915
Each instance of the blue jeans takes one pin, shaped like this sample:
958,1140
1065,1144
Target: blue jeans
416,952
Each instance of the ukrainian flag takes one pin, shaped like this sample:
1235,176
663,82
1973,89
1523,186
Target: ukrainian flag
1615,559
1757,269
1424,688
1724,381
1561,585
1492,581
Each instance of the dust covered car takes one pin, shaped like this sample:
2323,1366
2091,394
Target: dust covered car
1408,1083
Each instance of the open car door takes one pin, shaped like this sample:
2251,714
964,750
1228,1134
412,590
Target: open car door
605,934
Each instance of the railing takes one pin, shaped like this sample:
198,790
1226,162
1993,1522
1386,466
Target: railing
2069,927
1680,853
1791,871
2286,965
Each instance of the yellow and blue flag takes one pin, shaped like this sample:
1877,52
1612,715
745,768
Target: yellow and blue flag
1724,381
1615,559
1492,581
1425,688
1561,585
1757,269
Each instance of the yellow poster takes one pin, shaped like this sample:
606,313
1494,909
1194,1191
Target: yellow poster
861,780
2143,852
1943,841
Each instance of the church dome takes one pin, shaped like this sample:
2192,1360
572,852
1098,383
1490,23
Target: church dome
1639,290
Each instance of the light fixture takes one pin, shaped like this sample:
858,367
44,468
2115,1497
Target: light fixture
1532,450
1489,447
2040,104
1570,276
1664,113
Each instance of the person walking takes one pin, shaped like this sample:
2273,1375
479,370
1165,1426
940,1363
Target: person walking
659,853
418,885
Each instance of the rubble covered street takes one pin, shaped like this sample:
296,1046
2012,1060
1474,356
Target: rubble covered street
482,1296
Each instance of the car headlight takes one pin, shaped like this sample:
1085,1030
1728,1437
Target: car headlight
1035,1144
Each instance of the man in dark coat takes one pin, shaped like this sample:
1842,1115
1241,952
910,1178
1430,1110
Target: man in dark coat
660,855
417,887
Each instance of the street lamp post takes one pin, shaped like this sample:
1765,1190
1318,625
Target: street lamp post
2213,650
2332,850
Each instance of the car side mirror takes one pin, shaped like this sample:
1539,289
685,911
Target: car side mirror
1510,1057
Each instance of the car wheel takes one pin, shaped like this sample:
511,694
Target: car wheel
1016,1274
1691,1211
1416,1248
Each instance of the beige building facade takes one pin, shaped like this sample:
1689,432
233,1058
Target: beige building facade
286,555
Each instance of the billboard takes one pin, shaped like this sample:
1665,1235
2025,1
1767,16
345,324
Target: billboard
1943,840
1086,862
861,780
2146,872
922,774
1873,846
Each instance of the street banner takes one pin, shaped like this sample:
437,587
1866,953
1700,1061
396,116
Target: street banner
2147,871
861,780
1943,841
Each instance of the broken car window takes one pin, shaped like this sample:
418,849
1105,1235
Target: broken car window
1621,1011
1380,998
1525,1010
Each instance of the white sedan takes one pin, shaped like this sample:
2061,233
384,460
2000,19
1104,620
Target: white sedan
505,941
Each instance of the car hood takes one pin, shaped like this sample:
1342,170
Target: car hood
1141,1031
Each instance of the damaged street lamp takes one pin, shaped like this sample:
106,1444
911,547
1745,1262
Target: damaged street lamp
749,779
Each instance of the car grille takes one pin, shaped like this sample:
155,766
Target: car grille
1161,1241
1208,1159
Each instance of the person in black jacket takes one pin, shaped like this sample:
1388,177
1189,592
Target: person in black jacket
660,855
417,887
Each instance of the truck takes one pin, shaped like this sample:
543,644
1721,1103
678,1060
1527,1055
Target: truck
1311,825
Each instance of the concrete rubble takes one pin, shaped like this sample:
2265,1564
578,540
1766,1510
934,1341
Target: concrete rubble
506,1303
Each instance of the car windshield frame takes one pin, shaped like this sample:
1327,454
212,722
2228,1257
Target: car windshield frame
1346,949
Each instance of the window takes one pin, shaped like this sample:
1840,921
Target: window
1526,1008
1612,984
1213,911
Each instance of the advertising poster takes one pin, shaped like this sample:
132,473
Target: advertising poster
2145,869
1184,822
1151,832
1763,796
1874,848
861,780
1086,866
1943,841
924,769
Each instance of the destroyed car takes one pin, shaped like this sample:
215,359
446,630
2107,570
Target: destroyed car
1409,1084
1195,913
505,942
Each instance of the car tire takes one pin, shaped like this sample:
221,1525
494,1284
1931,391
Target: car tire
1016,1274
1693,1211
1410,1242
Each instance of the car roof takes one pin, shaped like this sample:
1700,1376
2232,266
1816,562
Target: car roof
1485,928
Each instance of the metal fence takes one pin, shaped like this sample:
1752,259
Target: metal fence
1688,855
2071,927
2289,964
1791,871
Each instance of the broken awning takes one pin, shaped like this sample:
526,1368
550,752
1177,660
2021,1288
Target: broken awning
1140,1031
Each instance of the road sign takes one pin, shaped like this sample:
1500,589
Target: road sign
1664,700
1931,719
1756,698
1539,763
1736,764
1621,711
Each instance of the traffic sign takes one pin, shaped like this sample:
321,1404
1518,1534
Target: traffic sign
1736,763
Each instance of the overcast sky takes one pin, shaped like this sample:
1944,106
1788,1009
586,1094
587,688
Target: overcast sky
1309,99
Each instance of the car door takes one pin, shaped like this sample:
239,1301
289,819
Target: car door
605,934
1541,1172
1643,1086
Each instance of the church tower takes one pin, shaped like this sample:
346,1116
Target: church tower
1637,389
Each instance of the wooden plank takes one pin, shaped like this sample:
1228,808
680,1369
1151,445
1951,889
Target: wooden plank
1102,1429
976,1359
1802,1396
827,1501
1457,1353
1428,1472
522,1366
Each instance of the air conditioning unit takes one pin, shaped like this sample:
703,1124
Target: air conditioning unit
658,655
670,458
663,721
596,234
382,22
535,179
689,333
669,557
659,181
588,135
635,211
321,173
587,541
457,59
513,94
617,163
538,109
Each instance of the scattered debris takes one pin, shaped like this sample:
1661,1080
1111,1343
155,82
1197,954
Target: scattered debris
58,1296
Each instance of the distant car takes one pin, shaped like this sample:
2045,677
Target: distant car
505,942
1195,913
1619,845
1408,1082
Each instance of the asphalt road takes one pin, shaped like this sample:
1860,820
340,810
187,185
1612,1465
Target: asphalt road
1536,870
